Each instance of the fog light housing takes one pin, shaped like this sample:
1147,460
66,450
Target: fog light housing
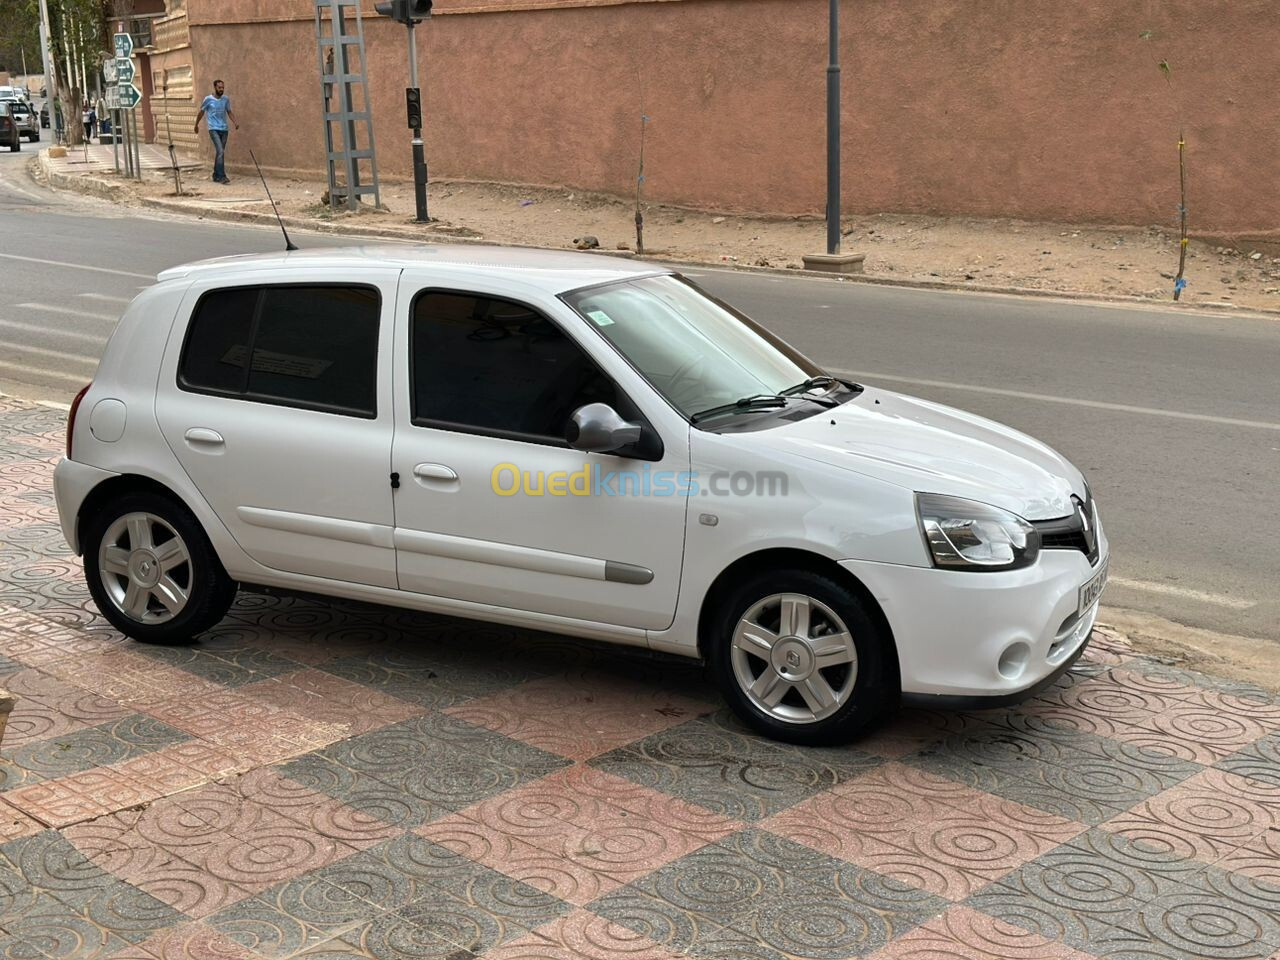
1013,661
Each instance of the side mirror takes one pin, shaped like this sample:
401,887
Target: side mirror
597,428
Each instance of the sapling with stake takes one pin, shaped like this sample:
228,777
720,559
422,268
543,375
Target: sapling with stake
1179,283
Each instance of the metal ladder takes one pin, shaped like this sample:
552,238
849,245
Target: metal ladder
337,47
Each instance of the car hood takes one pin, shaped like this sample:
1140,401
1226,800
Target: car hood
931,448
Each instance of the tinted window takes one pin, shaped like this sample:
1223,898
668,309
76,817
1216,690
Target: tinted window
313,347
218,341
495,366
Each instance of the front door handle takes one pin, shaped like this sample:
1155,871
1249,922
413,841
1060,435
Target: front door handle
203,436
434,471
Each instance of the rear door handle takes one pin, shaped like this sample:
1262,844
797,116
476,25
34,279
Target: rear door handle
203,436
434,471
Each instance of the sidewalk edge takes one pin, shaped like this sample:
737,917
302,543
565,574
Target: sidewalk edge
86,184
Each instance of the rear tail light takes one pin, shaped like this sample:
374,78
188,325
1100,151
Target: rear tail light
71,415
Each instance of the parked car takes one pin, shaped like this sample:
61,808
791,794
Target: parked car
25,118
10,135
576,444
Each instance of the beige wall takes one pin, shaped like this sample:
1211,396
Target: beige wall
1022,108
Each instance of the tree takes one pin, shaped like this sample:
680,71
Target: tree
19,38
77,36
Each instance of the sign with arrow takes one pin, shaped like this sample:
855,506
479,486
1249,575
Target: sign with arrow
125,71
124,97
109,71
124,46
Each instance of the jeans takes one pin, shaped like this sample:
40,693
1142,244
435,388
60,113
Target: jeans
219,138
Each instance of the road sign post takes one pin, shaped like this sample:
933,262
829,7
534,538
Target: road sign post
127,97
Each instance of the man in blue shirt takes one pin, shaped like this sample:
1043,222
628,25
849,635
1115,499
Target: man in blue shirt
218,106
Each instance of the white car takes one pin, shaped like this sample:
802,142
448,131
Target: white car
578,444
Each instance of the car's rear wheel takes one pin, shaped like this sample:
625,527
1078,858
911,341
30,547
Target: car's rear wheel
800,658
15,146
152,571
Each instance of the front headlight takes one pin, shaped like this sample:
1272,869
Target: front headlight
968,535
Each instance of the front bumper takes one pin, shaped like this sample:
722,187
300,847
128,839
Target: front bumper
984,639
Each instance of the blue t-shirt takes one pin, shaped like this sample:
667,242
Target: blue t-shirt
215,110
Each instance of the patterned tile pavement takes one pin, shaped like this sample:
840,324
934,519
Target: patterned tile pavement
333,780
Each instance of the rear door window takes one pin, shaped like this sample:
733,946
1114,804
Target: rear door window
314,347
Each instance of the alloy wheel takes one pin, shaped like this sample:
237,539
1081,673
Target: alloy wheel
794,658
145,567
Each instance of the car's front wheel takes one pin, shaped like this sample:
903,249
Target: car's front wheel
152,571
800,658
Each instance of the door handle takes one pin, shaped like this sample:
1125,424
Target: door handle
434,471
204,436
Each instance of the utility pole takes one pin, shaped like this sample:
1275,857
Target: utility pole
833,134
833,261
410,13
50,93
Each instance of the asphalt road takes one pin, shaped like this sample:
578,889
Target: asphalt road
1173,415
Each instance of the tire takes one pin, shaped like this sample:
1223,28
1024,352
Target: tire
812,704
15,146
130,582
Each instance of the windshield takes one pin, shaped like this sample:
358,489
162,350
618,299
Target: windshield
696,351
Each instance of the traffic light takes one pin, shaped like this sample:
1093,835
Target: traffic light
404,11
413,99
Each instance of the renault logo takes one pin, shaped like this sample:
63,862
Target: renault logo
1086,524
793,658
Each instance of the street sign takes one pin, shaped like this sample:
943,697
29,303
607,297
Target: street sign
109,71
124,70
127,96
124,45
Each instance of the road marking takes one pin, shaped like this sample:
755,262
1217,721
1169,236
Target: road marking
45,352
1218,599
1070,401
23,374
79,266
69,311
94,338
103,296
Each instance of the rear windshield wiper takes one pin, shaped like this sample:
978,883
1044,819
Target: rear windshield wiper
759,401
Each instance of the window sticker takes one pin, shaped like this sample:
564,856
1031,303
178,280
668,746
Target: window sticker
601,318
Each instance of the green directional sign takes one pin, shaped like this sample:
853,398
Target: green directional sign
125,71
129,96
124,46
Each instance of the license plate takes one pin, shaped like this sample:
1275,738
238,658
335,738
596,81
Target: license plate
1092,589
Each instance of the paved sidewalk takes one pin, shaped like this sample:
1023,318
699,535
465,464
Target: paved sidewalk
334,780
99,158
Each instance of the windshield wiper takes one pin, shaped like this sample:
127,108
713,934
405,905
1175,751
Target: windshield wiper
759,401
823,380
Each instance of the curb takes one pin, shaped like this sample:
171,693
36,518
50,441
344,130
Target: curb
84,183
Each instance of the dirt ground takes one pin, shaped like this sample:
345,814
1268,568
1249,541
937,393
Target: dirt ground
1114,261
1242,658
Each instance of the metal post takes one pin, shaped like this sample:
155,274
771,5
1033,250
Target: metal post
344,94
124,142
115,137
137,145
833,134
419,154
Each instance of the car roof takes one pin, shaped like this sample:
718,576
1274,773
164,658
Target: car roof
551,271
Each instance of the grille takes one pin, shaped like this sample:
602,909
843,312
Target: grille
1067,533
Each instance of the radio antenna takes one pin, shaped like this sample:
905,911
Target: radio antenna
288,244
